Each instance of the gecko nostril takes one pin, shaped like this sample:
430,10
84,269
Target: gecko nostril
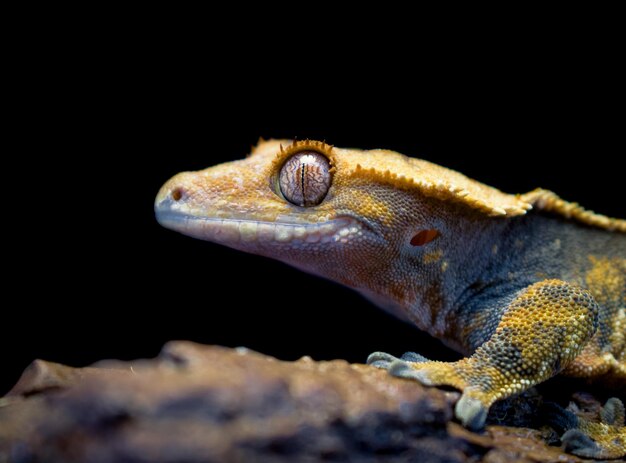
177,194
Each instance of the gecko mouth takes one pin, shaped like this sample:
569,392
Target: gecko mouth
237,233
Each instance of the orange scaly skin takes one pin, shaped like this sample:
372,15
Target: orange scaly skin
527,286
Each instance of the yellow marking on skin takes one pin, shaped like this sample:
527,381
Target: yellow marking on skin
607,278
537,315
494,249
370,206
444,266
432,256
618,336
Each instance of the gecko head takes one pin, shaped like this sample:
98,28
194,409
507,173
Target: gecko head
343,214
298,202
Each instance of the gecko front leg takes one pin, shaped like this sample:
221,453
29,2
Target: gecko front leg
541,332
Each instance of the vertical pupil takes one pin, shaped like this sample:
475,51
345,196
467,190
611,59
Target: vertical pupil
302,180
305,179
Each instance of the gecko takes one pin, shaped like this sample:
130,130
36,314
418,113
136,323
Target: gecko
525,286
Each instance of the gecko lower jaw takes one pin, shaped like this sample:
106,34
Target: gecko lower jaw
239,232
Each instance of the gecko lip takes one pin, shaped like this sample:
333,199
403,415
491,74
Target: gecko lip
236,232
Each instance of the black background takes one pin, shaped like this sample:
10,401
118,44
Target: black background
102,120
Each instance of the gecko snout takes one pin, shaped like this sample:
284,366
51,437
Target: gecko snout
177,189
172,195
172,200
169,196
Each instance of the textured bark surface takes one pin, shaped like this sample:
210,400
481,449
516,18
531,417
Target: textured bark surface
198,403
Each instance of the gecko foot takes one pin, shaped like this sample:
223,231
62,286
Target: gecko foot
474,404
602,439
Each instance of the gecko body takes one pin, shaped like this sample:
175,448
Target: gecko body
526,286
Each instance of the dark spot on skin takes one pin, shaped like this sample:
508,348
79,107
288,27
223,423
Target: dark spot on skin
424,237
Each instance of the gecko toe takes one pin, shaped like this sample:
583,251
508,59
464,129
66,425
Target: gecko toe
380,360
403,369
471,412
579,443
613,412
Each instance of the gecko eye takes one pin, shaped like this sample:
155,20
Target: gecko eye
305,178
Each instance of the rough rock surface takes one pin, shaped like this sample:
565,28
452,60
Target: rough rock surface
198,403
